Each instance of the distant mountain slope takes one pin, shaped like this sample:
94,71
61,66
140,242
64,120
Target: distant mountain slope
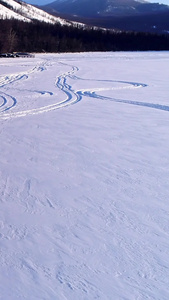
135,15
100,8
26,12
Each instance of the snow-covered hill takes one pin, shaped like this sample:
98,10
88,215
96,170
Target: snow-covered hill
26,12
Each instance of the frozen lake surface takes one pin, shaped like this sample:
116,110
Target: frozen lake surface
84,173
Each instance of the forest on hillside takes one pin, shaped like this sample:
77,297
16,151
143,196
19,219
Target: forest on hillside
43,37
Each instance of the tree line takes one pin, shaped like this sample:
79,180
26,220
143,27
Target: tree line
38,36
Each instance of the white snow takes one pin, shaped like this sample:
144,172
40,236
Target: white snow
6,13
13,3
84,172
27,12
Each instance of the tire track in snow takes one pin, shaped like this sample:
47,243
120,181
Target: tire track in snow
11,78
61,83
8,102
137,103
72,96
144,104
8,79
4,101
130,85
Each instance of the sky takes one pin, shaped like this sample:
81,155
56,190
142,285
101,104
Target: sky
43,2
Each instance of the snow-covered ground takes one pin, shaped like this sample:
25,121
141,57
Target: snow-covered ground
84,177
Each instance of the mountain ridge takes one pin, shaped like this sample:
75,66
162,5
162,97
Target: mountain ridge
134,15
97,8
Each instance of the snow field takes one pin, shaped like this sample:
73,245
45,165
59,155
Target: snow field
84,177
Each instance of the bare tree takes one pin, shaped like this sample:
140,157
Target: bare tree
11,40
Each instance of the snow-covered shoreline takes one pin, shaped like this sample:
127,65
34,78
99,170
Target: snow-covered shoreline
84,176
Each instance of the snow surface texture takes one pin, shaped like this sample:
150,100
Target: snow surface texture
84,172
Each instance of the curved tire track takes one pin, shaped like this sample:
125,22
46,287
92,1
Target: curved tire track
8,102
72,96
61,83
11,78
4,101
